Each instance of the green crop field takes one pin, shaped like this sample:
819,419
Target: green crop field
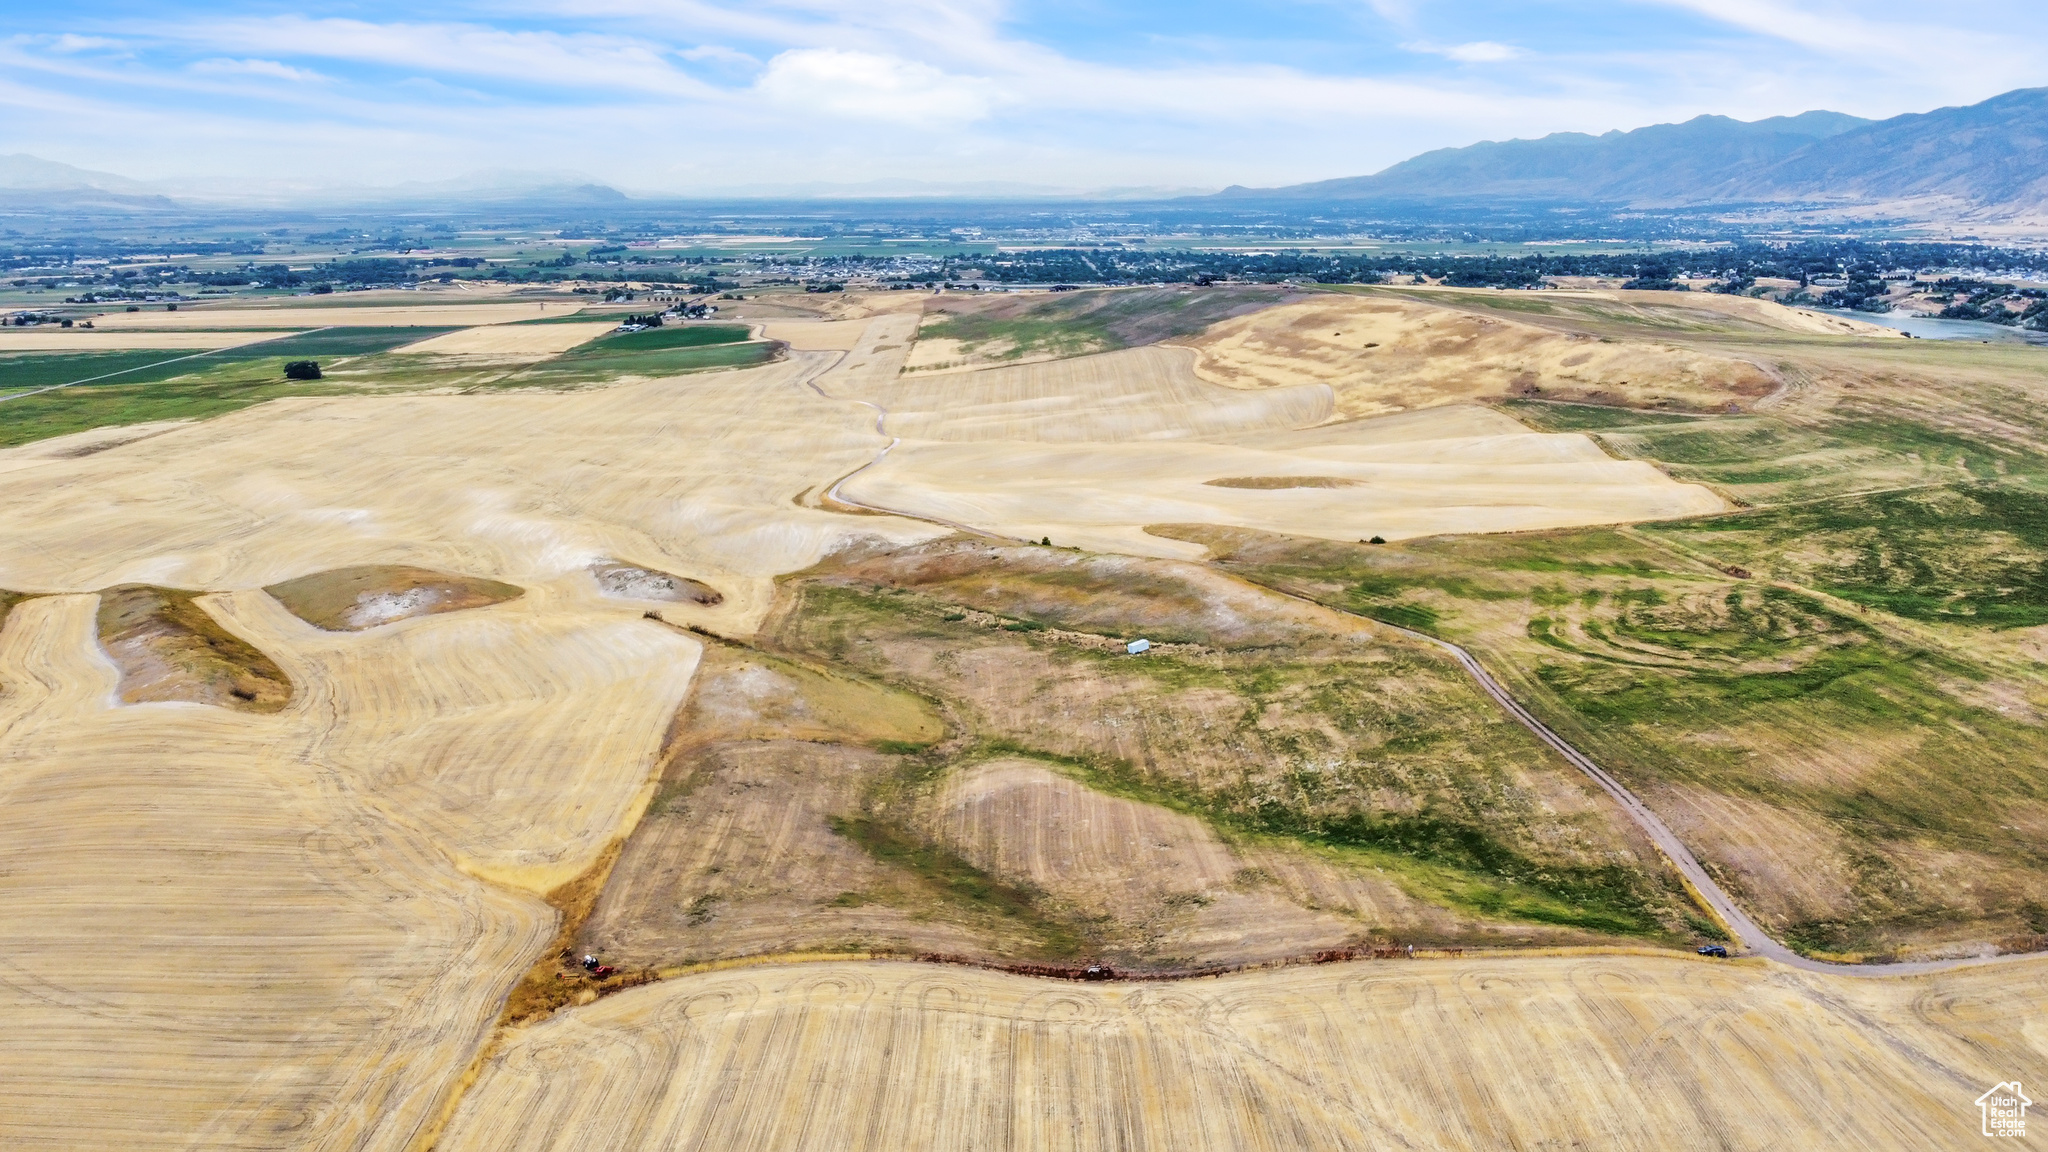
355,360
665,337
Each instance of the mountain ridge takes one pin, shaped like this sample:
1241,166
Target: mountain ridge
1989,156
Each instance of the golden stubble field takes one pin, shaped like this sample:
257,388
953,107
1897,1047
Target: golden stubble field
1480,1054
1090,451
513,342
295,929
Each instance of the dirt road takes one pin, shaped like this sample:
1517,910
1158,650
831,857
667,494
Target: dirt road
1750,935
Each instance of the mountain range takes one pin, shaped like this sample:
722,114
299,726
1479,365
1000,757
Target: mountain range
1987,158
1983,161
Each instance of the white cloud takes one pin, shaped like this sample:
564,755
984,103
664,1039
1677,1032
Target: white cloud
1482,52
69,43
271,68
1894,38
1477,52
717,53
867,86
549,58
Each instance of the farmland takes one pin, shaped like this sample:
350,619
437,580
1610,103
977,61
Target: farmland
781,664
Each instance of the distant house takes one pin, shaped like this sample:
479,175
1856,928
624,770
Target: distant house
1137,646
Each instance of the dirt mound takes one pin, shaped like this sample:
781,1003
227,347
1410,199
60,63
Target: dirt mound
1384,355
627,582
169,648
352,599
1275,483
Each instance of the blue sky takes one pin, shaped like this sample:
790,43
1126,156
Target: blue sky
702,95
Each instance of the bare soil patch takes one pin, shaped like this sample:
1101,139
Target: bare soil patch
169,648
352,599
624,581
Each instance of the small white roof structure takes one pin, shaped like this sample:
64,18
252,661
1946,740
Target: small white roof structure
1137,646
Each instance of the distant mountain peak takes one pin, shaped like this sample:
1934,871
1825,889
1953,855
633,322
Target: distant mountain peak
23,172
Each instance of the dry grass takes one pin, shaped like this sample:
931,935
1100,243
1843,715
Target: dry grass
560,978
168,648
1290,728
1382,354
352,599
1157,887
737,855
1613,1052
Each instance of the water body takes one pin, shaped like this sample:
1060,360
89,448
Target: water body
1934,328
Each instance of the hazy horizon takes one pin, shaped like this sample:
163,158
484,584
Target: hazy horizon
703,96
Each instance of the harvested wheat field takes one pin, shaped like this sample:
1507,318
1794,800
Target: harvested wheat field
95,340
86,443
291,922
339,316
1140,394
1448,469
511,342
218,934
334,729
815,335
1637,1052
1382,355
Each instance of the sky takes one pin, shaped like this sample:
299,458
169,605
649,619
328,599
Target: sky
703,96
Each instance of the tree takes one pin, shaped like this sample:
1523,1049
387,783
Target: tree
302,370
